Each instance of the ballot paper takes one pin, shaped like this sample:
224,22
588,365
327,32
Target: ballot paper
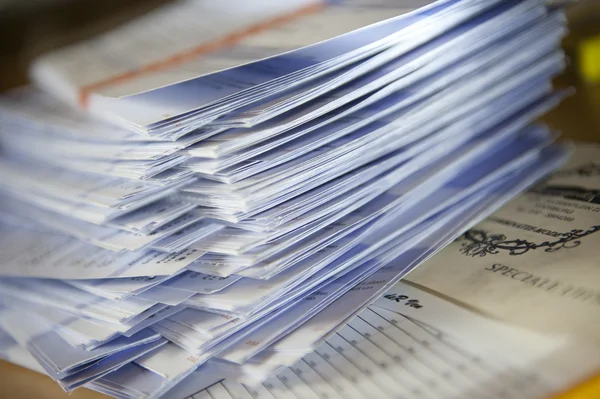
145,362
409,216
406,340
313,53
71,366
164,363
184,201
533,257
327,319
413,343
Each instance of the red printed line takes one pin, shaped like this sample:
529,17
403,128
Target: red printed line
184,56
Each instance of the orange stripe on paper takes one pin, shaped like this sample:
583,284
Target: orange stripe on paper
204,48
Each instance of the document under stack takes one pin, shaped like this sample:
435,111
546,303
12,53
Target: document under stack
221,188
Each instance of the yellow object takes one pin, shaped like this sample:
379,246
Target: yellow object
589,59
588,390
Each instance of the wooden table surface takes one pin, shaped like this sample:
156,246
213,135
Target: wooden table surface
578,118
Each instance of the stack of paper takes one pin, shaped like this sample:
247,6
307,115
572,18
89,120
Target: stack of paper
256,208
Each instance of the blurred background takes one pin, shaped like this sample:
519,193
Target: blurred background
31,27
